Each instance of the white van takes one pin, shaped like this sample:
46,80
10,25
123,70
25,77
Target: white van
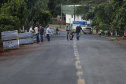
87,30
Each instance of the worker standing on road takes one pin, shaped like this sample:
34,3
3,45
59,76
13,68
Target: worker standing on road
48,31
57,30
41,33
68,31
78,30
37,34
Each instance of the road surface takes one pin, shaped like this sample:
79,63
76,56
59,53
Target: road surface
91,60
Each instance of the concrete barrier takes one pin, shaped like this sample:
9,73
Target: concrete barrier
9,35
25,38
25,35
11,44
26,41
10,39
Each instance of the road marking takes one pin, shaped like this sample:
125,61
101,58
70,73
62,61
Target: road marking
77,61
78,67
77,55
79,73
76,51
77,58
81,81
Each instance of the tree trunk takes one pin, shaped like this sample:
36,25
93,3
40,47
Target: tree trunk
111,33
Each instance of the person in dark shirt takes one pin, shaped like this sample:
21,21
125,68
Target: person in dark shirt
67,31
78,30
41,33
57,30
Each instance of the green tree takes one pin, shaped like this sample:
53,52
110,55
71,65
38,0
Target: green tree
34,9
44,17
102,14
15,8
82,9
2,2
8,22
120,15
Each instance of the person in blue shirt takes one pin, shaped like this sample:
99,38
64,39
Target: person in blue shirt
41,33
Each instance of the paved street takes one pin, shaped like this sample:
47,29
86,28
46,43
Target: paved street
91,60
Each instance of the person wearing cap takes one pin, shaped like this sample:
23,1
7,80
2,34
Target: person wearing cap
78,30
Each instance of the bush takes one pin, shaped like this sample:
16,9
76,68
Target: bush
103,26
8,22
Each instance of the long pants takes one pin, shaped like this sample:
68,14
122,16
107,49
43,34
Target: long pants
37,38
41,37
67,35
48,37
77,35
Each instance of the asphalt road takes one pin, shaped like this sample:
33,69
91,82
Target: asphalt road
91,60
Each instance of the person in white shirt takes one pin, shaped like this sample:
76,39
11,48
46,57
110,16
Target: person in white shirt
31,30
48,31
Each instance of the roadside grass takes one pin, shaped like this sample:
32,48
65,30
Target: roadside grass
55,26
62,27
116,38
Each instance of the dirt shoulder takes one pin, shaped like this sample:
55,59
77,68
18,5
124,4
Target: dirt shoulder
17,52
1,47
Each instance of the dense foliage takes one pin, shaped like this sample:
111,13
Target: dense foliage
17,13
106,14
110,16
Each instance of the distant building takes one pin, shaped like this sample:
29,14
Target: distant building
68,10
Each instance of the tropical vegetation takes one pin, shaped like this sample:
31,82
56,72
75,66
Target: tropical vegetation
105,14
109,16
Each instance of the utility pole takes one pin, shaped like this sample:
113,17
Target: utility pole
74,12
61,11
61,16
